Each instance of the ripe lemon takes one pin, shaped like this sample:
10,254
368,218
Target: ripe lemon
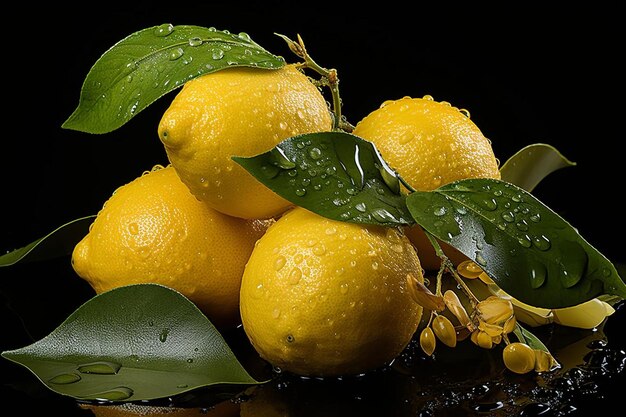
238,112
154,230
429,144
322,297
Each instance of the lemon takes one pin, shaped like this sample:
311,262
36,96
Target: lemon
322,297
238,112
154,230
429,144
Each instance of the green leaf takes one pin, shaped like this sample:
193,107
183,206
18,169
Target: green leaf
59,242
531,164
527,249
132,343
525,336
334,174
152,62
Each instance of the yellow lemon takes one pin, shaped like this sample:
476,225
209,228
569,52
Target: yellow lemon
429,144
322,297
238,112
154,230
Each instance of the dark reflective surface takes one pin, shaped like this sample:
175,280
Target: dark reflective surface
528,77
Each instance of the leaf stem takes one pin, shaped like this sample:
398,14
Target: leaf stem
330,79
446,263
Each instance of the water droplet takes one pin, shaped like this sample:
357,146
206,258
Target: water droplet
100,368
490,204
279,263
522,225
525,241
517,198
270,171
244,36
133,228
508,216
164,30
319,250
163,335
606,272
176,53
306,182
186,60
535,217
66,378
541,242
217,54
343,288
182,386
538,275
384,216
361,207
195,41
300,192
439,211
294,276
480,260
115,394
190,360
315,153
276,313
461,210
331,231
573,263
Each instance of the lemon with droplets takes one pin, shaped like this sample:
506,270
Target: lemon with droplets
322,297
153,230
429,144
238,112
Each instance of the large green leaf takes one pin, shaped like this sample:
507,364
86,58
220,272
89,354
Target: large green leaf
132,343
152,62
59,242
530,251
531,164
334,174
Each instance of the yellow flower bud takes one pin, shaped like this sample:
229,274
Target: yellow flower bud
495,310
423,296
444,330
428,341
519,358
454,305
469,269
583,316
482,339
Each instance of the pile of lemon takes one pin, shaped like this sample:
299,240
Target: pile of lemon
315,296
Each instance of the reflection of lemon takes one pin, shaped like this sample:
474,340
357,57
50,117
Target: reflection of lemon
238,112
430,144
322,297
223,409
154,230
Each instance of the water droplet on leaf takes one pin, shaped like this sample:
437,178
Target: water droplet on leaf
116,394
99,368
164,30
65,378
195,41
176,53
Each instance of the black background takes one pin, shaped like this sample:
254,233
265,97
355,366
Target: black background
526,74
